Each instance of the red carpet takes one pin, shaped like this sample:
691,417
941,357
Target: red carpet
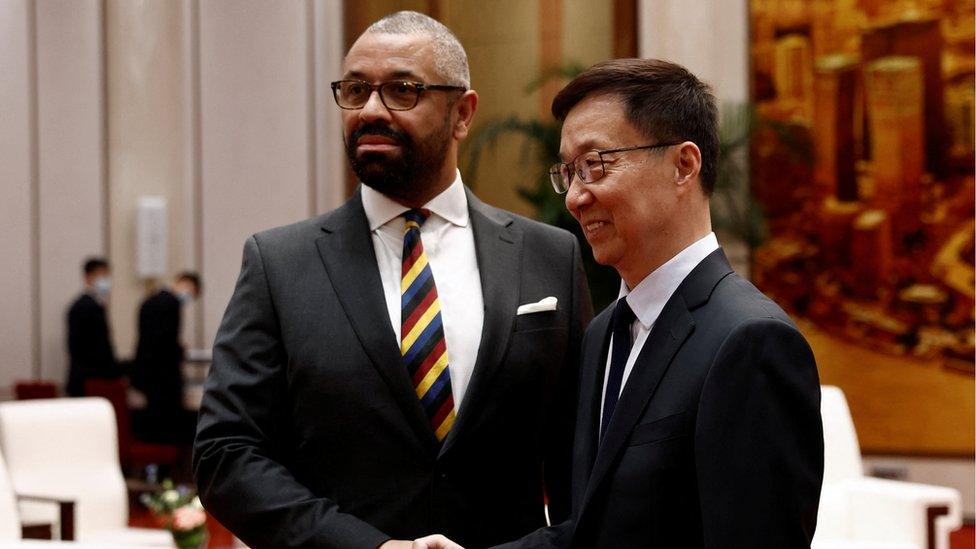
220,538
963,538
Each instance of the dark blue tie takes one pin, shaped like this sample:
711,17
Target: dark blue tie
621,321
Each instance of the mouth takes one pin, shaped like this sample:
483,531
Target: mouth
593,226
370,143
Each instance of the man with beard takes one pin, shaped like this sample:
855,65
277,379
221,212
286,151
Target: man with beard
405,364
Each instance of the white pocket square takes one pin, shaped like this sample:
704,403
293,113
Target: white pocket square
544,304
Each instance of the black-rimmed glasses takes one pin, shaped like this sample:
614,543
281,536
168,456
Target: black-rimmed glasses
397,95
589,166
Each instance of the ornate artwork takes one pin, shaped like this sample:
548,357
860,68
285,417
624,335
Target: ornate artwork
863,166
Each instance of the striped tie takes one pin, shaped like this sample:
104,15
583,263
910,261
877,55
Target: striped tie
422,342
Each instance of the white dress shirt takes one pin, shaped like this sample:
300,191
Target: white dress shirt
449,244
647,300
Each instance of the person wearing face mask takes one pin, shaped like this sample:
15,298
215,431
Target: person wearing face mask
156,369
89,341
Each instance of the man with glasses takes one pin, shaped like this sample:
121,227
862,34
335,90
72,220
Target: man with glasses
699,415
407,363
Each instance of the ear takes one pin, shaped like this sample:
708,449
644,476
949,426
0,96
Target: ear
465,108
687,163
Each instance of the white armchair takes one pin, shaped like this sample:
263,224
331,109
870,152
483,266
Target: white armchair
11,526
862,512
67,449
9,523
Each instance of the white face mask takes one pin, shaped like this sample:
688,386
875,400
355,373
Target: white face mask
102,285
185,297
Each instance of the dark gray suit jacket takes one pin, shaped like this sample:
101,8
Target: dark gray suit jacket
310,434
716,440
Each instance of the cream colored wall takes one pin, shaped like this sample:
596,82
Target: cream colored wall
221,107
146,104
501,39
51,166
70,148
709,37
588,30
330,157
18,323
254,132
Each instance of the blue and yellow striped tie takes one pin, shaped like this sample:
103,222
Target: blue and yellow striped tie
422,342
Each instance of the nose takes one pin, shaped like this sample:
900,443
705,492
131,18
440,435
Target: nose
374,109
578,196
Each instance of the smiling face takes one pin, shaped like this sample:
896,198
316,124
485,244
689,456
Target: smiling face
410,156
629,215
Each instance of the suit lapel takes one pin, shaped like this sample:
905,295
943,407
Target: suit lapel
498,245
669,333
347,251
588,420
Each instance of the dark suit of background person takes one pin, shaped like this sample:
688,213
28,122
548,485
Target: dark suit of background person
311,433
89,347
716,439
156,371
90,353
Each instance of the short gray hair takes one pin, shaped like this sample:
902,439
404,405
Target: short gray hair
450,60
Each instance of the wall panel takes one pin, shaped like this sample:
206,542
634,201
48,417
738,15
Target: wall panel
711,41
16,237
254,129
71,179
330,160
146,139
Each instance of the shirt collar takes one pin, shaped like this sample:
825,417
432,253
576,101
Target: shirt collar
451,205
648,298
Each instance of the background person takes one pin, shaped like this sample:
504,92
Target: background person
157,369
90,352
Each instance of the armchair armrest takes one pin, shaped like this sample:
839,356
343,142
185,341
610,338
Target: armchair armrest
888,510
66,509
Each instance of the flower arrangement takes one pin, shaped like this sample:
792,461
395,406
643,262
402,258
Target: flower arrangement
179,510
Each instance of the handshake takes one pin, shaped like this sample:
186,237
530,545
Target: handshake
436,541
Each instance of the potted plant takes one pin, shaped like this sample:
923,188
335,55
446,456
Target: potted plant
178,509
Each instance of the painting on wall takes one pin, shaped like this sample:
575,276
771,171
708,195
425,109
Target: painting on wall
863,166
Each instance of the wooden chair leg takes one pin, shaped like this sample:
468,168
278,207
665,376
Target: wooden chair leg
933,513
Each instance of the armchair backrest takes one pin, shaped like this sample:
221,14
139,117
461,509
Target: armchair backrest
67,448
842,453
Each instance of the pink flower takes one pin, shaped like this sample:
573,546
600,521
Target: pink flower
188,518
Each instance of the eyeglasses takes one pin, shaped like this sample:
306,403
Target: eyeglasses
397,95
589,166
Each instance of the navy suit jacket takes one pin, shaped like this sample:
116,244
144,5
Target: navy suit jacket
716,440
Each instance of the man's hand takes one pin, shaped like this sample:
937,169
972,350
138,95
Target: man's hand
396,544
436,541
